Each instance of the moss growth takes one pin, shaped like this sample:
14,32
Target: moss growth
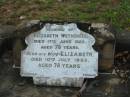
117,13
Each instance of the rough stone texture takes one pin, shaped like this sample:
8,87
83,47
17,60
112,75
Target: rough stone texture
12,85
26,27
123,37
105,45
7,33
23,29
73,82
105,40
123,41
106,86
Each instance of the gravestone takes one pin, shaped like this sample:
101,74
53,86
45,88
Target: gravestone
59,55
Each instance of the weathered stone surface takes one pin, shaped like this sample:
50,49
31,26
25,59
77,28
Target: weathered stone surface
123,37
12,85
19,45
105,40
7,33
106,86
26,27
66,66
105,44
102,87
123,41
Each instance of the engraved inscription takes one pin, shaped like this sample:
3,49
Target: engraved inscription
60,51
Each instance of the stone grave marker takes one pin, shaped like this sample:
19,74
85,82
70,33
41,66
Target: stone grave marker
59,55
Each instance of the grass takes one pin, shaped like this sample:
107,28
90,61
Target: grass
117,14
1,2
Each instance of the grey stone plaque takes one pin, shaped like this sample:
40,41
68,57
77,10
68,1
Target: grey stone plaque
60,55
